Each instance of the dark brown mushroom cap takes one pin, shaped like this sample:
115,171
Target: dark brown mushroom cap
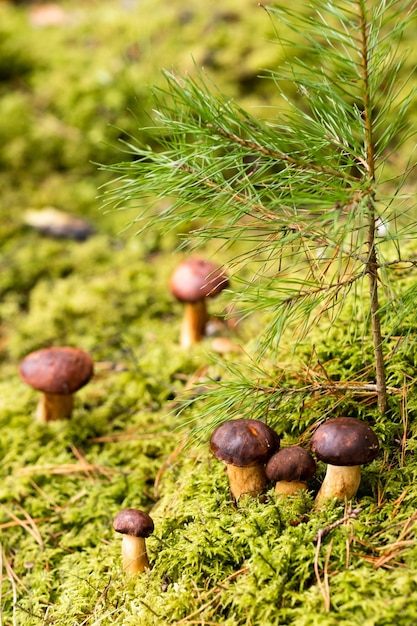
345,441
290,464
60,371
196,279
133,522
244,442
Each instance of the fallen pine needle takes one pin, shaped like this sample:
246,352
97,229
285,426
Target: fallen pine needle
323,584
65,468
29,525
17,522
171,458
12,576
128,436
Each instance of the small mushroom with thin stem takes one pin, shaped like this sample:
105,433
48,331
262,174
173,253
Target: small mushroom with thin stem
344,443
135,526
58,373
290,469
192,282
245,445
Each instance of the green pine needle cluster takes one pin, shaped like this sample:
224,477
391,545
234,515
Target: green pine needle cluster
310,202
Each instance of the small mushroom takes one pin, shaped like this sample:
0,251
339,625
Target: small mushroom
135,526
289,469
344,443
58,373
192,283
245,445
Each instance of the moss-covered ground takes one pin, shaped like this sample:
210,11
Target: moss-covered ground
68,92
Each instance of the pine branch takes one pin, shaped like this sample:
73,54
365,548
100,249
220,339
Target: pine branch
280,156
295,201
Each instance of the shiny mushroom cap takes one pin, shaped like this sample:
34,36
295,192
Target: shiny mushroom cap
244,442
345,441
196,279
60,371
134,523
290,464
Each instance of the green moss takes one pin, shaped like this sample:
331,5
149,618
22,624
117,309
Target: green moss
61,107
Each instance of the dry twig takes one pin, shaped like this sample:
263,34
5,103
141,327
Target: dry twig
322,532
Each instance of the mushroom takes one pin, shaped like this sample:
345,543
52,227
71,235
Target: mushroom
245,445
135,526
344,443
58,373
192,282
289,469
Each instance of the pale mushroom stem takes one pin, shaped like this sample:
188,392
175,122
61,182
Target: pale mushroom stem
289,487
134,555
193,323
341,482
54,407
246,480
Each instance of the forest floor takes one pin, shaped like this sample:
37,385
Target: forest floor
74,80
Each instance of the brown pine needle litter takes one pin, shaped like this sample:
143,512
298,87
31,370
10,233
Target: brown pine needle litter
91,470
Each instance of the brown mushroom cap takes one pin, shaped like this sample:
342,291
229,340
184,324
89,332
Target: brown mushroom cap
345,441
60,371
290,464
133,522
244,442
196,279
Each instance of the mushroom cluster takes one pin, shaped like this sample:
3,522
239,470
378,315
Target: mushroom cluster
192,282
249,448
251,451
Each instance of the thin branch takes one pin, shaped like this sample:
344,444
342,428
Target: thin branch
281,156
265,214
359,388
351,514
372,266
